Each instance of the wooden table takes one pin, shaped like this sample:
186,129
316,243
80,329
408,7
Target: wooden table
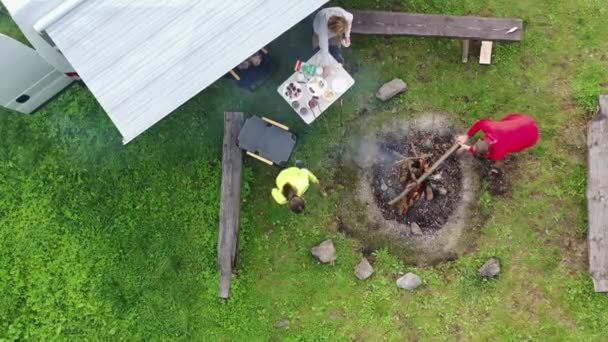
337,71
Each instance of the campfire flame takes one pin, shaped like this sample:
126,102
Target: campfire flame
409,170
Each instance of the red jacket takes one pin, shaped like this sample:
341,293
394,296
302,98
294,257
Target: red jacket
513,133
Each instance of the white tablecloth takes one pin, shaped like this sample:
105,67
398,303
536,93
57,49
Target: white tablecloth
335,72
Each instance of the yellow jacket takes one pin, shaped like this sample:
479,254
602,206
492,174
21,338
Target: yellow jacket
297,178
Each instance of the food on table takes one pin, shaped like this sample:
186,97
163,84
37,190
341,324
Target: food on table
329,94
293,91
306,68
295,104
303,111
313,103
317,85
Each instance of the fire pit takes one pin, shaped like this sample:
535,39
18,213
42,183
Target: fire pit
429,203
432,222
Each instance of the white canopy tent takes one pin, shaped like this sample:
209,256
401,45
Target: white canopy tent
142,59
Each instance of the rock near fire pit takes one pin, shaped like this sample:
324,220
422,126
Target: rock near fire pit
325,252
391,89
490,269
415,229
363,270
410,281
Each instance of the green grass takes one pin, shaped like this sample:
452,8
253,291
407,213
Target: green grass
102,241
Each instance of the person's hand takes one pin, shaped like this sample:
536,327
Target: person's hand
462,139
463,149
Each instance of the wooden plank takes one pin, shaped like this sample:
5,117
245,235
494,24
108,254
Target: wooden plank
597,196
260,158
235,75
428,25
272,122
230,205
485,55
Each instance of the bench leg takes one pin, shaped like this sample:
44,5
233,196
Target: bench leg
485,55
465,50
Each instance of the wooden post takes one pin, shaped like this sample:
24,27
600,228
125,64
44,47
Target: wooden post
230,205
465,50
485,55
597,196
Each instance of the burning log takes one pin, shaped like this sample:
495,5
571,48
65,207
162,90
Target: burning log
410,171
416,185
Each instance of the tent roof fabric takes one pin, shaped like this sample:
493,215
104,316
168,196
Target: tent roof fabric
143,59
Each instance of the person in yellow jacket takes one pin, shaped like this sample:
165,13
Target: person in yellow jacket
292,183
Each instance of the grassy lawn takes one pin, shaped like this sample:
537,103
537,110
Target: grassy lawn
104,241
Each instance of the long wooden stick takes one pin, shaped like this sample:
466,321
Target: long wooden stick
425,175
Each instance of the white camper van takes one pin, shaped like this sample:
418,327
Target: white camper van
30,77
28,81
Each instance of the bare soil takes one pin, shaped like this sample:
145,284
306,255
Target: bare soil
496,175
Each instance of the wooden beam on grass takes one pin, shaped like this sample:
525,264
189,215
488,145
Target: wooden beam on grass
230,202
597,196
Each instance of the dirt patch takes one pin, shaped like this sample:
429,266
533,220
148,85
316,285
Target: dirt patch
575,254
433,206
495,175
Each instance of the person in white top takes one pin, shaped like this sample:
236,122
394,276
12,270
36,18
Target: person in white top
331,29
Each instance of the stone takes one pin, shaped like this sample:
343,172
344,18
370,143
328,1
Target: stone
442,191
391,89
428,143
436,177
415,228
410,281
428,193
490,269
283,323
325,252
363,270
383,186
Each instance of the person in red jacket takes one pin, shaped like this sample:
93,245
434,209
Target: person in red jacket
513,133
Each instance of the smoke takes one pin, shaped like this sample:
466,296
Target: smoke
370,150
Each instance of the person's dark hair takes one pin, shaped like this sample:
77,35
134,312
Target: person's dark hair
296,203
288,191
482,147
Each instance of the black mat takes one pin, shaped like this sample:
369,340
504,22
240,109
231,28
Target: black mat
266,140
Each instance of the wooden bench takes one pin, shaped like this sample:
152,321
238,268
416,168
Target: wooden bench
467,28
230,202
597,196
